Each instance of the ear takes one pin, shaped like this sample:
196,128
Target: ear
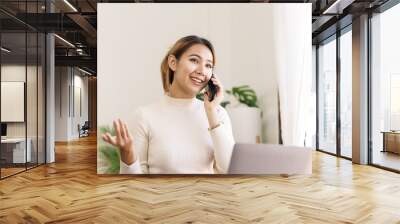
172,61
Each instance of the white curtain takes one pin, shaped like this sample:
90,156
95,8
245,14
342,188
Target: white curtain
294,81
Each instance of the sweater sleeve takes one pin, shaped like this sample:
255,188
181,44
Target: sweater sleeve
223,141
140,134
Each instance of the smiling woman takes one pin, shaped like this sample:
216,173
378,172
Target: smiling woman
179,134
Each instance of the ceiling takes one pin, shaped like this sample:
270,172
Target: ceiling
76,22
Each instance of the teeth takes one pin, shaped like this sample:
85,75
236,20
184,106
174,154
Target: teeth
197,80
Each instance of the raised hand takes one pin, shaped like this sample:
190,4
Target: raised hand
123,140
212,107
219,96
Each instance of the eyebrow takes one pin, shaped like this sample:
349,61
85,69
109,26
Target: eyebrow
199,57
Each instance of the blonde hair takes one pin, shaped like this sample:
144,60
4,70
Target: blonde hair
183,44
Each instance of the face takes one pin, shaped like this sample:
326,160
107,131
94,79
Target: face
193,70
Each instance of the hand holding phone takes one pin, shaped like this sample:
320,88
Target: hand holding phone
212,89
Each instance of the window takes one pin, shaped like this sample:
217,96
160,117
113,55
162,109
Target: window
22,65
346,93
327,96
385,88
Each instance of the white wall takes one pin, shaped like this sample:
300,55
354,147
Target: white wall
61,103
15,72
133,38
80,83
67,80
34,125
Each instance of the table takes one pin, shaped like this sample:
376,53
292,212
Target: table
13,150
391,141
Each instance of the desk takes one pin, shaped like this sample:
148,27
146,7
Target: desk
391,141
13,150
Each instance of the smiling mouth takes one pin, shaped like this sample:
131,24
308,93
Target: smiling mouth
197,81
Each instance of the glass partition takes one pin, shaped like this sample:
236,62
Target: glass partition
41,109
14,153
346,93
22,77
32,95
327,96
385,89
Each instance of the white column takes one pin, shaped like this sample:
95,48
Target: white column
360,90
50,100
50,92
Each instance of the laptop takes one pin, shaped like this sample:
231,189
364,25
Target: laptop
270,159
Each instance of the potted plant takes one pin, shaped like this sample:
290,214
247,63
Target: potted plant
108,155
243,109
245,114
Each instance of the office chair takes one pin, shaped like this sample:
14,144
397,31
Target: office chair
84,130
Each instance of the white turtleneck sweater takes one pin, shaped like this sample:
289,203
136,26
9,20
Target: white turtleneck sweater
172,137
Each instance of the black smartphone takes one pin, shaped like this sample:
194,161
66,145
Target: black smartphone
212,89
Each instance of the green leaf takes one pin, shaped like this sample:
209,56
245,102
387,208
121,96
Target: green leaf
111,155
244,94
223,104
200,96
108,152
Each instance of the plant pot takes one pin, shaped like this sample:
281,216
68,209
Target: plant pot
246,123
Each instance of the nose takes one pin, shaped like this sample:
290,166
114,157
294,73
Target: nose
200,70
203,70
200,73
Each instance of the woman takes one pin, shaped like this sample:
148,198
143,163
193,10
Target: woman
179,134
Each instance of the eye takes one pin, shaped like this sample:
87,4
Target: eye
209,66
193,60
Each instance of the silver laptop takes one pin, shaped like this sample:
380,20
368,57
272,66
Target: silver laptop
270,159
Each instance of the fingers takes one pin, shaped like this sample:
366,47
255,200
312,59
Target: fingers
219,86
216,82
107,138
117,129
127,133
104,137
206,95
122,129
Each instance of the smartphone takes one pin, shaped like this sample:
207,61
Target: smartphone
212,89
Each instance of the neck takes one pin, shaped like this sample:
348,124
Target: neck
176,92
